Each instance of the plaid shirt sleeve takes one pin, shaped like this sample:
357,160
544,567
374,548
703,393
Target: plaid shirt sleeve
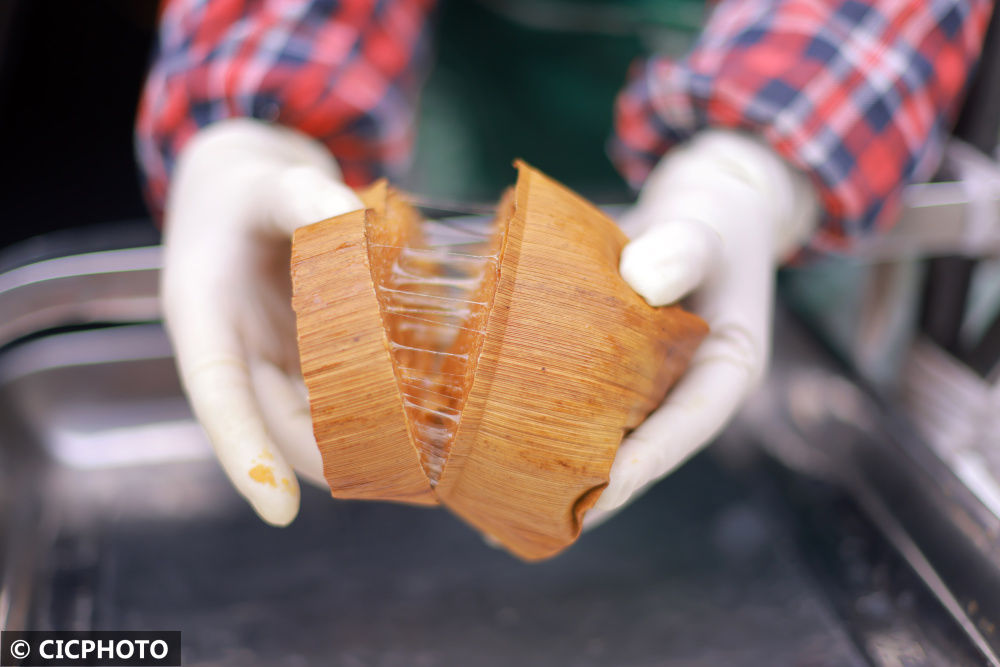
859,94
346,72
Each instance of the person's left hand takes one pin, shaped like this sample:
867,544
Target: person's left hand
712,221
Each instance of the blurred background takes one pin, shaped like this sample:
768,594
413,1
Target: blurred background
851,515
70,74
510,79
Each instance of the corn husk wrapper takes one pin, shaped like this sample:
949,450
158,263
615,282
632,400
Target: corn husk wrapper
505,404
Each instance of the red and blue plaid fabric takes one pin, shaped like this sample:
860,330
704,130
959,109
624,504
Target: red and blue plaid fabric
859,94
343,71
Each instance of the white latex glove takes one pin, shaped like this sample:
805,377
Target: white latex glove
712,221
240,189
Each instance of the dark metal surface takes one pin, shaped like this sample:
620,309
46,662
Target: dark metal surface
700,572
697,573
675,583
946,290
949,278
815,419
115,516
979,120
97,287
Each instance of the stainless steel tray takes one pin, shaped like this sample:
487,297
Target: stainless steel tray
115,516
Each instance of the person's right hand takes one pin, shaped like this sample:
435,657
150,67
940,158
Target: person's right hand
713,220
240,189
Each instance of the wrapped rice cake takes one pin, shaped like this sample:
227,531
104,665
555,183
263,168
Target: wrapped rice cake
494,372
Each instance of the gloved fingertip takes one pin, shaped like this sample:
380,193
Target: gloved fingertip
594,518
276,501
669,261
277,514
306,194
613,497
659,283
343,197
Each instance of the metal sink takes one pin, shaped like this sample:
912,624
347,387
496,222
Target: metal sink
116,516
